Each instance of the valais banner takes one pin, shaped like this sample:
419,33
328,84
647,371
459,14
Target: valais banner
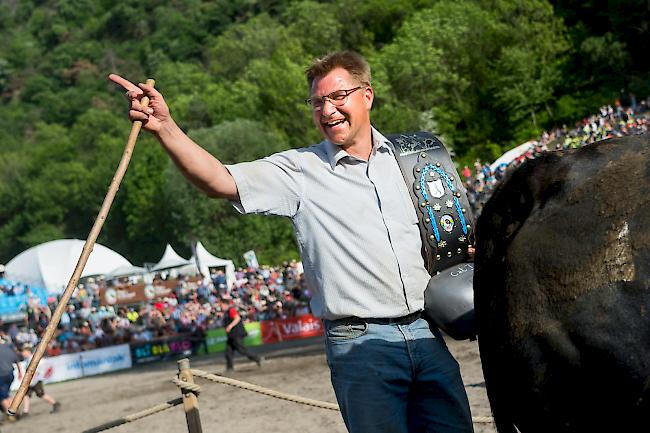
293,328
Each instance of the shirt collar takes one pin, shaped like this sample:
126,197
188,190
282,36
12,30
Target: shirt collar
379,142
336,153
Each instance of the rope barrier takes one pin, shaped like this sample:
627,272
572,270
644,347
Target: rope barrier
136,416
262,390
187,387
289,397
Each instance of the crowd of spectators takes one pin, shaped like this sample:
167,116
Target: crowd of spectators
609,122
193,306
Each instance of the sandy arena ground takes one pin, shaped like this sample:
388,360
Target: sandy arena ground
301,370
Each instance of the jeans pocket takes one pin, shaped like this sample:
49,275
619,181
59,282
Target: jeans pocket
346,331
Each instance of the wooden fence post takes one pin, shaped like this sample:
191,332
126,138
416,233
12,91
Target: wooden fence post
190,400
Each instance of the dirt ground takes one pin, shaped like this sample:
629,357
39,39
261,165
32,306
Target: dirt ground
89,402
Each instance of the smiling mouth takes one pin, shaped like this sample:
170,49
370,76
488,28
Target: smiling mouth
334,123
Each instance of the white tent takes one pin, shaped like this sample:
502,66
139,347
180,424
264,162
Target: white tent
207,260
125,271
51,264
512,154
170,259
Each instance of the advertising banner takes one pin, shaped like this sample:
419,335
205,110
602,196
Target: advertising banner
107,359
216,338
293,328
76,365
50,370
133,294
141,292
165,348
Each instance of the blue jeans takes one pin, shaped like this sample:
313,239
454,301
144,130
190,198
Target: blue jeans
391,378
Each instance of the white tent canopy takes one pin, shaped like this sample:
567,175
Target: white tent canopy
51,264
125,271
204,260
170,259
512,154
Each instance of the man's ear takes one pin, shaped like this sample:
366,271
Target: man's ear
369,96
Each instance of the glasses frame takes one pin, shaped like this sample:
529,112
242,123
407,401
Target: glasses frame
329,97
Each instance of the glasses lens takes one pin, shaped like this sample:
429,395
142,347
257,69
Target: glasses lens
315,103
338,97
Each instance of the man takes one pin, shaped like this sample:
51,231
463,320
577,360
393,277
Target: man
360,245
236,333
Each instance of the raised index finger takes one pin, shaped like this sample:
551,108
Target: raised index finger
126,84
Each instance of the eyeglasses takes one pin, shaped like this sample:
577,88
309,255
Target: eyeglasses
338,98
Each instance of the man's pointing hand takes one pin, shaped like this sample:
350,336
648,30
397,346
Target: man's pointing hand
152,117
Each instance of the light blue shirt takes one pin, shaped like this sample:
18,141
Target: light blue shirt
354,221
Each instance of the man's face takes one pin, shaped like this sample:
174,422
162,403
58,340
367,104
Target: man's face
341,125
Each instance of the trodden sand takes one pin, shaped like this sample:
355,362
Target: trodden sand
298,369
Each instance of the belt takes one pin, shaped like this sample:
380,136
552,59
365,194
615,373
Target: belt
403,320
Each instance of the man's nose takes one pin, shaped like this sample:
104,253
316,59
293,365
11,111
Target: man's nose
328,107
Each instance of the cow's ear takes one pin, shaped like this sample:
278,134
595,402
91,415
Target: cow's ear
507,210
547,177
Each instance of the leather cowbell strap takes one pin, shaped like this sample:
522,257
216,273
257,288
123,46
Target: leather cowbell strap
446,221
440,199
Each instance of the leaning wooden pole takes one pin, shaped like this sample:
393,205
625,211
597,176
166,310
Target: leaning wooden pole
85,253
190,400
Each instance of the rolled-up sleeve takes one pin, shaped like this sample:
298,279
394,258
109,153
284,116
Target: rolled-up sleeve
269,186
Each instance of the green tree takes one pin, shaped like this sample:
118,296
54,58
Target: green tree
315,25
282,91
460,60
528,71
176,33
259,38
524,84
431,67
372,24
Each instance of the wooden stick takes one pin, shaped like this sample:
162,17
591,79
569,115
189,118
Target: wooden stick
85,253
190,400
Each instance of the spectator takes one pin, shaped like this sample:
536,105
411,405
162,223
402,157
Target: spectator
236,332
609,122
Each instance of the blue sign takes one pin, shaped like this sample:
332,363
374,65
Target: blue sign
12,304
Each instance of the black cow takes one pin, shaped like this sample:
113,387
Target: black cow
562,292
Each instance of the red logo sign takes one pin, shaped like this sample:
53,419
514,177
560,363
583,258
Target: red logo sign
292,328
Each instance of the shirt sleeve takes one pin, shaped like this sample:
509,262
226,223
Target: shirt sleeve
232,313
270,186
